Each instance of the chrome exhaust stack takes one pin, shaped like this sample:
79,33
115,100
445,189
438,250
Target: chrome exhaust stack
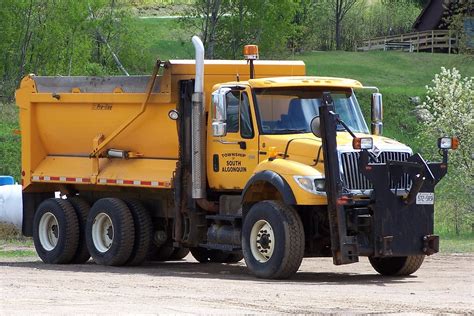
198,126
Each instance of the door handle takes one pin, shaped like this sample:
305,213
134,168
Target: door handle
242,144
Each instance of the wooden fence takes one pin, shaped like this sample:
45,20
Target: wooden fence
427,41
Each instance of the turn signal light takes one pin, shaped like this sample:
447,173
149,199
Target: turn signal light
448,143
272,153
251,52
362,143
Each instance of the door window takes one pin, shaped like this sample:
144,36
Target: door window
238,114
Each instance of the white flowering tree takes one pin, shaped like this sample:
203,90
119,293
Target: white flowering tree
448,111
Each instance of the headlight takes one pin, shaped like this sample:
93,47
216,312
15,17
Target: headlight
320,185
448,143
312,184
363,143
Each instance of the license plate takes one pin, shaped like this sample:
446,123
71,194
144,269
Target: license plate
425,198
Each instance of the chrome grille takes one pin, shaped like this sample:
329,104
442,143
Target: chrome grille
354,180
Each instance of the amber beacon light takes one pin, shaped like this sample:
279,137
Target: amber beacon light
251,52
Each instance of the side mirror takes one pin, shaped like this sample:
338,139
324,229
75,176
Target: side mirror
376,114
219,129
316,126
219,112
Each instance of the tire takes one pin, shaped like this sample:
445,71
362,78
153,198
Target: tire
218,256
179,253
55,231
110,232
82,209
235,257
400,266
143,232
273,223
200,254
162,253
203,255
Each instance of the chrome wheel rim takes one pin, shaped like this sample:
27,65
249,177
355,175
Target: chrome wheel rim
102,232
48,231
262,241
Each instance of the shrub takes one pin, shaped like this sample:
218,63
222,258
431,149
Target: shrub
448,111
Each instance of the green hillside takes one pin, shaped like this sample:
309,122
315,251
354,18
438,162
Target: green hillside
398,75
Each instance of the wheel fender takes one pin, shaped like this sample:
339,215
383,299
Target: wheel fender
275,180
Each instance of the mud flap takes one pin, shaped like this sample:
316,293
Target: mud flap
403,225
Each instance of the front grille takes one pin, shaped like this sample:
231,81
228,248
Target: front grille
354,180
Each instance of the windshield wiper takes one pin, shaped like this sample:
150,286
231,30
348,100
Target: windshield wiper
291,130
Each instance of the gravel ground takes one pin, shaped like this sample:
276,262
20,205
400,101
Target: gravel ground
444,284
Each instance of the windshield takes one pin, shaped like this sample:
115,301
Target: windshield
290,110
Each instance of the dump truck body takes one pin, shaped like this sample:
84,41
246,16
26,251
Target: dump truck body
63,116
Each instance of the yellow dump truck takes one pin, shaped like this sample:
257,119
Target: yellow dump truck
229,159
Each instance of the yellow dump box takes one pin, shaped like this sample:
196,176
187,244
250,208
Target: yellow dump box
71,126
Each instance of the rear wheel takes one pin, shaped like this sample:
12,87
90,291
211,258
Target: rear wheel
179,253
235,257
273,240
82,209
218,256
397,265
110,232
55,231
200,254
204,255
143,232
161,253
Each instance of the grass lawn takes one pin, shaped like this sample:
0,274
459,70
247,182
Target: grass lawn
16,247
457,244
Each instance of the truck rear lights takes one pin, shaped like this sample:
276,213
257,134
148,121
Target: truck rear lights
448,143
362,143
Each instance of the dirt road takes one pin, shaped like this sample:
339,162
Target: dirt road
444,284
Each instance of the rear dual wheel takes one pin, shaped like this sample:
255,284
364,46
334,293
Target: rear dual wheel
118,232
82,209
167,252
56,231
204,255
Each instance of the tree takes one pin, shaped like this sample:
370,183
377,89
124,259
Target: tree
455,15
340,8
233,24
267,23
60,37
205,15
448,111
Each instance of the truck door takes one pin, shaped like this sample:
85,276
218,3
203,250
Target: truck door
233,155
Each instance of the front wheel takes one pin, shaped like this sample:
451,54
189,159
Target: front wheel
273,240
397,265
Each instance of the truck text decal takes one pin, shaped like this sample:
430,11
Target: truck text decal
233,165
102,107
